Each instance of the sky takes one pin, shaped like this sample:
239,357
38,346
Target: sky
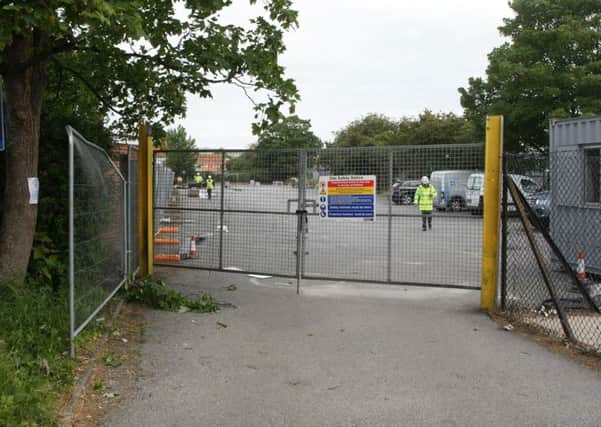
350,58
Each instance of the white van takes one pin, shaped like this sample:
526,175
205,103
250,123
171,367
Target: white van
450,186
474,192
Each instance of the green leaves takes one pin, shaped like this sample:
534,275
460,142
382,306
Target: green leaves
155,294
141,57
548,69
111,360
427,129
182,164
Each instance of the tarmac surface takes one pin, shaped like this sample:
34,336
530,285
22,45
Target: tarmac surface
342,354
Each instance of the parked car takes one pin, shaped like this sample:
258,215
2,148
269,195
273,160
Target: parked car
404,191
540,202
474,193
450,186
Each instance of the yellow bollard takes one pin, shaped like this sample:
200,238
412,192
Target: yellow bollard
145,238
492,205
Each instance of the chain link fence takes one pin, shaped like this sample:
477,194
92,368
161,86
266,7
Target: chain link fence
262,214
548,230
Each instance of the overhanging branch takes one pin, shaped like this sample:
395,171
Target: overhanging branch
90,87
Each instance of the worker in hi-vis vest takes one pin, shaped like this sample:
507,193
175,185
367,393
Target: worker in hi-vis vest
198,179
210,186
424,199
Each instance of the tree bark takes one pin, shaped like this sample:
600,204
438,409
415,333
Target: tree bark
24,90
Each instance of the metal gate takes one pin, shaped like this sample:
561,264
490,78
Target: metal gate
262,214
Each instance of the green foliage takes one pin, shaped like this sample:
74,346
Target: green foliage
111,360
140,58
155,294
371,130
289,133
34,366
182,164
427,129
99,386
242,167
47,266
549,68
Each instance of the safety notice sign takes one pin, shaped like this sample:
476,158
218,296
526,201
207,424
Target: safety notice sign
347,196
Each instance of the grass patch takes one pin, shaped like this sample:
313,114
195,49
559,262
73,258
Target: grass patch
155,294
34,364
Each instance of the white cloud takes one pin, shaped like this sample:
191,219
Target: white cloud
353,57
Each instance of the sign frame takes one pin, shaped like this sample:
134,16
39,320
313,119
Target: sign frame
348,197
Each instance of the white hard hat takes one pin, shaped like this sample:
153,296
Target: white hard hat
425,180
210,176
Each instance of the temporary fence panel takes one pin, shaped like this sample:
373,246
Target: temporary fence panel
540,253
263,214
133,209
97,230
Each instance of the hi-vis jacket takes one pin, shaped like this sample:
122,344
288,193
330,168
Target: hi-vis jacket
198,179
424,197
209,183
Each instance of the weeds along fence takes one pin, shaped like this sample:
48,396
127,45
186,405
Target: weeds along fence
102,242
551,256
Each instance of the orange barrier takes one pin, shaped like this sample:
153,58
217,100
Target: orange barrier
166,258
169,230
166,241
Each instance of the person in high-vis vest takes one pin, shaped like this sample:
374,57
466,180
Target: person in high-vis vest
198,179
424,200
210,186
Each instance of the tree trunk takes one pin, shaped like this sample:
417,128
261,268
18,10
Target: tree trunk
24,90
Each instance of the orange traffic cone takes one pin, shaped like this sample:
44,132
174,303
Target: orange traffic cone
193,246
580,269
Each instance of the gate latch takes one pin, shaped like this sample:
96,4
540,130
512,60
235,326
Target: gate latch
304,219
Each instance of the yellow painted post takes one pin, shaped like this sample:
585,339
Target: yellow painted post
150,206
492,204
145,240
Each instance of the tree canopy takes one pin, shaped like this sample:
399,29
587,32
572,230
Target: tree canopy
265,164
182,164
290,132
549,68
427,129
138,58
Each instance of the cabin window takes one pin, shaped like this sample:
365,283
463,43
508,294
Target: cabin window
592,175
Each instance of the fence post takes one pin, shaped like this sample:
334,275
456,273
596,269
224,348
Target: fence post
221,209
301,217
490,235
145,208
504,237
389,192
71,246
